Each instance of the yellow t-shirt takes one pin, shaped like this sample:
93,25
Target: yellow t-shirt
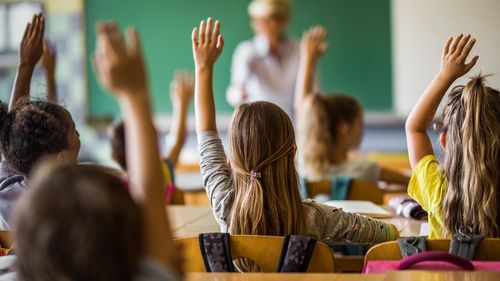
428,186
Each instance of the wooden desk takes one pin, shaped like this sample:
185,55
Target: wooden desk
389,276
192,220
198,276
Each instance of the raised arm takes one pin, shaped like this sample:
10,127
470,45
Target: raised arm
48,64
207,47
30,51
121,70
313,45
453,66
181,93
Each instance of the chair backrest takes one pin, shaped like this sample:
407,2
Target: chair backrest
264,250
359,190
6,238
488,250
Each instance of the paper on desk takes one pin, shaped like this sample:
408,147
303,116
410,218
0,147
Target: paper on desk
425,229
365,208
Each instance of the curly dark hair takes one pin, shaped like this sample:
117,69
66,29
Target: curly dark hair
32,130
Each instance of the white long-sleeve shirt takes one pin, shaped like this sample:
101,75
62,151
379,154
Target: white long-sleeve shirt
258,73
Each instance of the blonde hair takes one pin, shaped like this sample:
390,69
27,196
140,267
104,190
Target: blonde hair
472,158
260,8
262,160
318,127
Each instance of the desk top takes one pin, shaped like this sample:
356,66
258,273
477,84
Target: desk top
390,276
192,220
198,276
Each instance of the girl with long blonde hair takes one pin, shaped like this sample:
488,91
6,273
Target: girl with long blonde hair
463,191
256,190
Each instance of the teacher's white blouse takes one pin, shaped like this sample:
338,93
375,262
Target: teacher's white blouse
259,73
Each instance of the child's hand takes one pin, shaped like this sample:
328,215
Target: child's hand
182,88
207,46
119,65
49,58
313,43
31,47
454,56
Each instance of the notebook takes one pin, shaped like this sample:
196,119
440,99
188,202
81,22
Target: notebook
365,208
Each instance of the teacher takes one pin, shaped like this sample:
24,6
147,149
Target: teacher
265,67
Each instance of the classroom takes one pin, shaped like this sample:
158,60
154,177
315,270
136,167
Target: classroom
249,140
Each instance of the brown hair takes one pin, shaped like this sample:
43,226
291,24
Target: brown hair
117,139
472,158
31,130
262,140
318,127
77,223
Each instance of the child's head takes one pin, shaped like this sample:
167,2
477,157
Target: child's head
262,160
35,129
77,223
117,139
328,125
471,142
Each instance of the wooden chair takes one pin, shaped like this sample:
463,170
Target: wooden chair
264,250
5,239
488,250
359,190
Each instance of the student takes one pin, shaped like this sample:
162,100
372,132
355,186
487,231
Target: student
256,191
330,126
182,90
78,222
462,191
30,130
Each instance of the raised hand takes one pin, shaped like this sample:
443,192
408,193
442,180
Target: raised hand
30,51
313,43
48,63
119,64
182,88
31,47
207,45
49,58
455,54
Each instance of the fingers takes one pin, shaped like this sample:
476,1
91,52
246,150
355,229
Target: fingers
31,26
202,32
194,36
220,43
41,29
471,64
215,36
134,43
25,35
208,31
455,44
467,49
446,48
461,44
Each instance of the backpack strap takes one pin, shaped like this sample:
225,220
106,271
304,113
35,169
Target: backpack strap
304,193
464,243
216,252
412,245
339,187
296,253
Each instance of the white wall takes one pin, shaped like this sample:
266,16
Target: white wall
420,28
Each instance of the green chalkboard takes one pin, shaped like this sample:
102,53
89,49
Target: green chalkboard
358,61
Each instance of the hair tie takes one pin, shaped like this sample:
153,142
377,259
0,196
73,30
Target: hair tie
255,175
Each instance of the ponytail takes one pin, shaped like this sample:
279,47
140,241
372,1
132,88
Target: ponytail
472,158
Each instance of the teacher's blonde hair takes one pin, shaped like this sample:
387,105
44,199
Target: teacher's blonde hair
262,8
